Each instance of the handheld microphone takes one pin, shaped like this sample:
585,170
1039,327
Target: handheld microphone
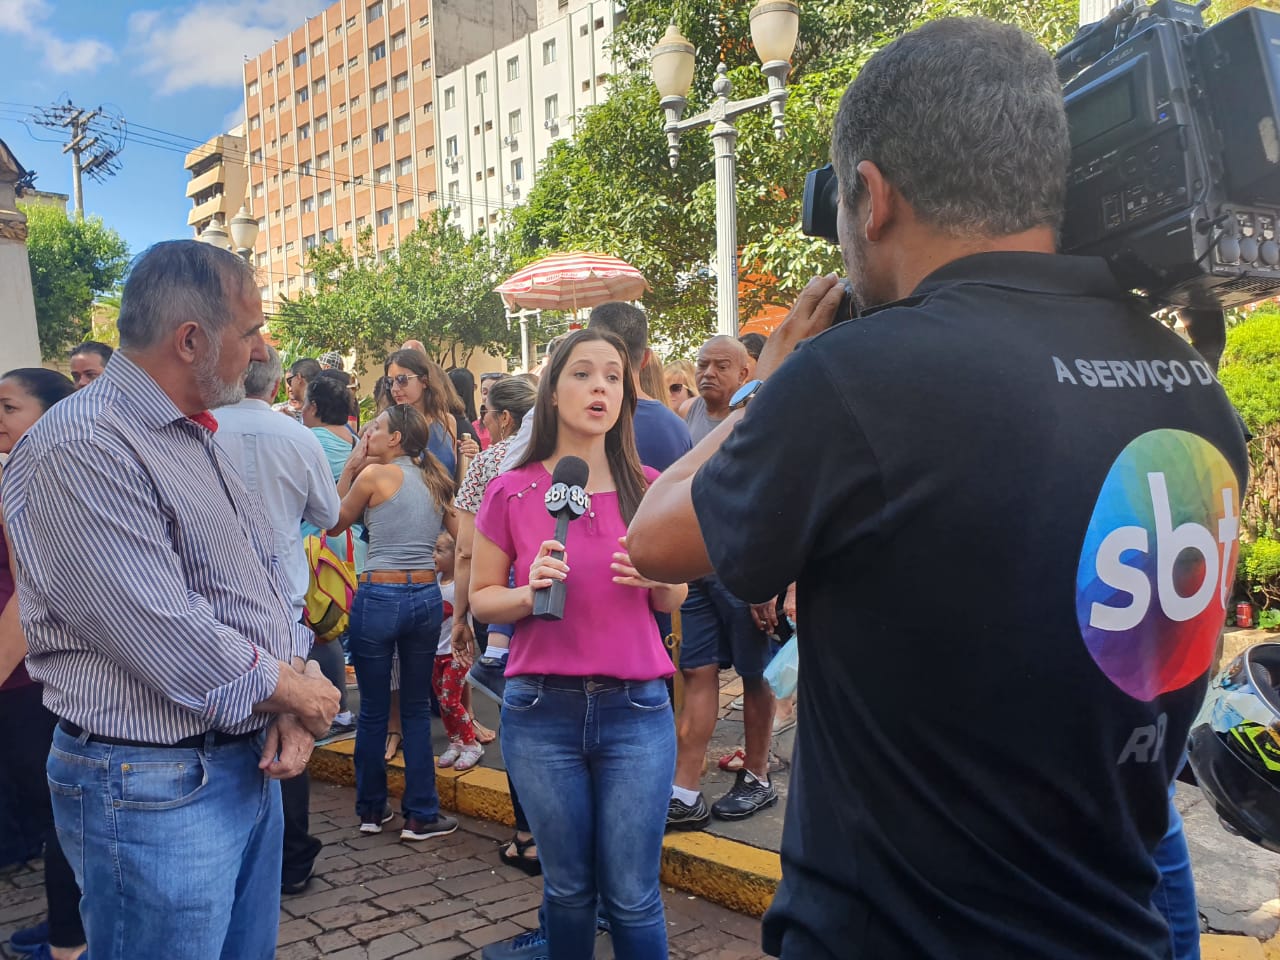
566,500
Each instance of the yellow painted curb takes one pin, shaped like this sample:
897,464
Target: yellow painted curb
1218,947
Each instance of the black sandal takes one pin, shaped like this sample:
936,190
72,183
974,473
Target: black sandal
530,865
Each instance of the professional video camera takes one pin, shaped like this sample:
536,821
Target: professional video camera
1175,153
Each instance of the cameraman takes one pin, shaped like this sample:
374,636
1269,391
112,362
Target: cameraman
1011,546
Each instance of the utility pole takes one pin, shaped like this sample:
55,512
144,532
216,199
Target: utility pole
93,148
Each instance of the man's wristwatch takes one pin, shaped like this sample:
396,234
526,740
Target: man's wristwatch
745,393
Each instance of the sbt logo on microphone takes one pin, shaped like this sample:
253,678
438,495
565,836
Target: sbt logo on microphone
1158,562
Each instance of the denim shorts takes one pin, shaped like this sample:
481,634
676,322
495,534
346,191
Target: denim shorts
716,627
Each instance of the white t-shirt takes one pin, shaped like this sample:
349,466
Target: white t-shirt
445,647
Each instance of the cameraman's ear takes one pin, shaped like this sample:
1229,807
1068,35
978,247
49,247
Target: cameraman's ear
881,201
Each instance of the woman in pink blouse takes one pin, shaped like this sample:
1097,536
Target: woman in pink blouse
586,723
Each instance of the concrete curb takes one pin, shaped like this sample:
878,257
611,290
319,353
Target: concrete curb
726,872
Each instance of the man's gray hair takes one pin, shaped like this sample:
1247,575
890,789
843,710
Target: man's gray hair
264,376
176,281
964,117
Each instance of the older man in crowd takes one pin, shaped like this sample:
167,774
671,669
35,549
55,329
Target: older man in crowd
162,629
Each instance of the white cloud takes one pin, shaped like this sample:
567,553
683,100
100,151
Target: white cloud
205,45
234,117
25,18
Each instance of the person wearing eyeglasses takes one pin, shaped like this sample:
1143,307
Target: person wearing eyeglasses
680,379
300,374
411,380
487,380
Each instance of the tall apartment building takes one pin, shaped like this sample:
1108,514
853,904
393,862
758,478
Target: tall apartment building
499,114
219,179
340,119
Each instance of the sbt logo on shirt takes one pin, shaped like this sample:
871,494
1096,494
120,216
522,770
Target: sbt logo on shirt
1158,562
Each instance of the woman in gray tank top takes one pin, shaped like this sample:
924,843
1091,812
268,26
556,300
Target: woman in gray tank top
402,493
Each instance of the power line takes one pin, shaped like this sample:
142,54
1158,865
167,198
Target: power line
93,147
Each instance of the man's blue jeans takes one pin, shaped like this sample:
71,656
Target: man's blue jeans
403,618
177,852
594,760
1175,897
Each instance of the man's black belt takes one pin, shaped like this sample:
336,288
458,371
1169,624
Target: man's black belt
186,743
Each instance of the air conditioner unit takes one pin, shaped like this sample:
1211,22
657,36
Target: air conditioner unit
510,141
550,123
512,189
456,209
452,162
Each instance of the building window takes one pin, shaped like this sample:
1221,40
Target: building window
552,110
549,52
380,134
429,153
398,41
326,236
517,169
425,66
373,12
304,168
382,174
303,95
284,137
513,68
326,198
322,161
252,89
379,93
402,124
357,140
284,102
488,125
351,23
489,173
424,21
482,83
300,58
339,70
322,122
256,156
453,189
317,48
342,108
319,85
406,210
258,191
600,79
475,131
270,72
513,122
599,23
308,204
255,122
384,217
400,83
342,147
582,30
355,101
404,166
450,98
428,109
271,108
280,67
586,85
353,63
304,131
479,223
308,243
479,176
451,147
337,31
361,222
378,52
288,247
396,3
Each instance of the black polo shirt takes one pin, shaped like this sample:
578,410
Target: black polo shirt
1014,538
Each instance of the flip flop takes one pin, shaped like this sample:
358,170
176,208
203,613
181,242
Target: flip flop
393,750
484,735
733,762
786,724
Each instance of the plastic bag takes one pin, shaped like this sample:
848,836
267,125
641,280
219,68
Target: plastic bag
783,671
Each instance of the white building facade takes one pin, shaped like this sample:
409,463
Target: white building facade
497,117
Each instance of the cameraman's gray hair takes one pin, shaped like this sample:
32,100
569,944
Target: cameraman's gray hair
264,376
964,117
176,281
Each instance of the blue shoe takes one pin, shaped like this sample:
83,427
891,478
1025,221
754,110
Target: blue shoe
488,676
31,939
528,946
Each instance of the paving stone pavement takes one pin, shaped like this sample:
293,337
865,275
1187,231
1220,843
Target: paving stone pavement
375,897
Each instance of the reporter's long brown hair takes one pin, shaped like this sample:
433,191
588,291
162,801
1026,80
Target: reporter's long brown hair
619,442
414,434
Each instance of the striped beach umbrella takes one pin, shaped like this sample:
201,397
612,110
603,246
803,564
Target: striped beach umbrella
570,281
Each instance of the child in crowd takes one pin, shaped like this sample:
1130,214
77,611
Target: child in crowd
448,677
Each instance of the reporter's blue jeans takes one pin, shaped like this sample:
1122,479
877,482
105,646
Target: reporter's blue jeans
177,852
1175,897
594,758
387,618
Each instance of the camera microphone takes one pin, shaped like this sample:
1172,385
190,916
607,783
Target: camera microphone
566,500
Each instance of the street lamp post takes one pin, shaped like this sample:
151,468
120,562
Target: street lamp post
242,238
774,27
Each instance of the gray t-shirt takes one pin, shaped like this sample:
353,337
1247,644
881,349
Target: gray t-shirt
403,530
700,422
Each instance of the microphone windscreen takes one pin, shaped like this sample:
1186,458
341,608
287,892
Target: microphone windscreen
572,472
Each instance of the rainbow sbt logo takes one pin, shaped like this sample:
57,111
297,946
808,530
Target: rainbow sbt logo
1158,562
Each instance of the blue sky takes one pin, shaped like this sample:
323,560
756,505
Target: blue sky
172,67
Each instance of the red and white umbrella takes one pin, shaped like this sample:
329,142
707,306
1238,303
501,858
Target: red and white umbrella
569,281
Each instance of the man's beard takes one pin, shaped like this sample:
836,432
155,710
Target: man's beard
215,392
856,262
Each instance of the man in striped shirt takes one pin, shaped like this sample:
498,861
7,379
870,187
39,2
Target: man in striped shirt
160,624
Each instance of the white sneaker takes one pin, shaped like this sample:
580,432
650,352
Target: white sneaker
450,756
469,756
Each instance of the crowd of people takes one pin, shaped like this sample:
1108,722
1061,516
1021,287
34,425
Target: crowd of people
156,512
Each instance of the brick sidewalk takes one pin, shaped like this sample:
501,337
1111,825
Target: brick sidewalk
375,897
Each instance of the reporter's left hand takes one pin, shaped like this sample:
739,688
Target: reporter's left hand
625,573
288,748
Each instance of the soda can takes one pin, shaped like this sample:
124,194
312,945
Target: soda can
1244,614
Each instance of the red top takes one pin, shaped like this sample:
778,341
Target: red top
19,676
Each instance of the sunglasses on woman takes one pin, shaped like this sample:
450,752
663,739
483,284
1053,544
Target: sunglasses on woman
400,380
679,388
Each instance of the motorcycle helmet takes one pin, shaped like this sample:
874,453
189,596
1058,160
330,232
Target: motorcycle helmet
1234,745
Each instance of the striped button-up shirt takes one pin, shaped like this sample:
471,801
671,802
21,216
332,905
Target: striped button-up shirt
152,605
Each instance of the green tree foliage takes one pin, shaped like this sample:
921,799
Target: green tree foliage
437,288
611,190
1250,371
72,261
